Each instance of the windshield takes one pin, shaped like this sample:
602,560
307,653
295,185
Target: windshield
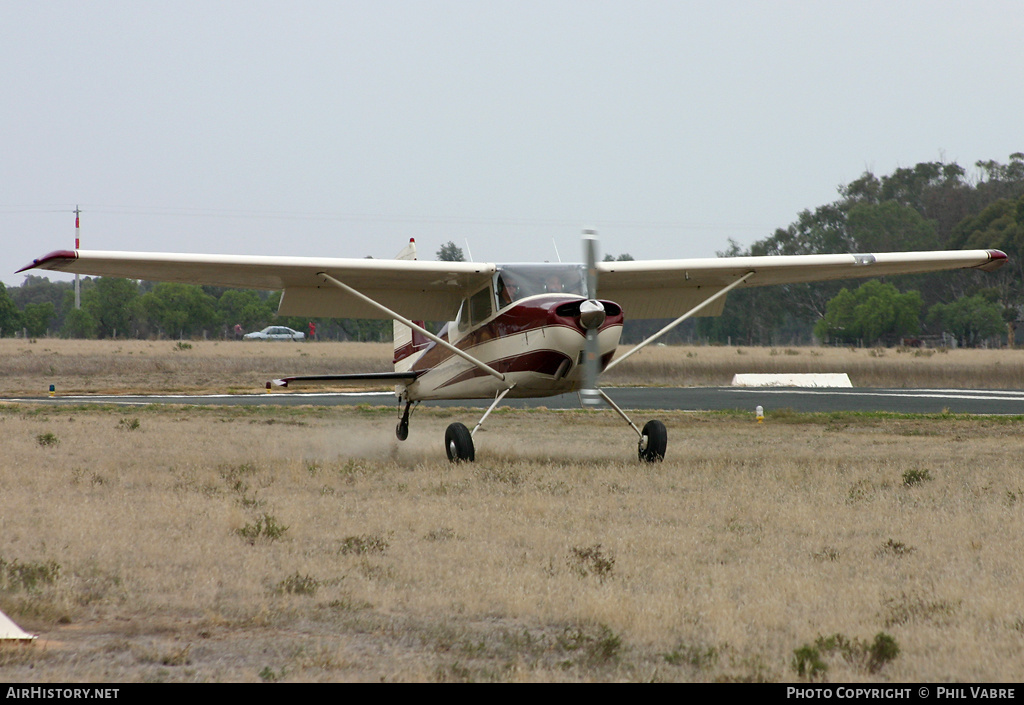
517,281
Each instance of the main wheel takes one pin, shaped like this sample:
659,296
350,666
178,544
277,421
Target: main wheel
653,442
459,444
402,429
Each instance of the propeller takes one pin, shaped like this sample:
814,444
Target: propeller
592,316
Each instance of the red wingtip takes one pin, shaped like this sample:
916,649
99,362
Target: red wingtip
51,261
996,259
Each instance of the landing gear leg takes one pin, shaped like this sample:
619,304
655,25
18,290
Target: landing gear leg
402,429
653,439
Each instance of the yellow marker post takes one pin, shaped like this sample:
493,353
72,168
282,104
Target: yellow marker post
53,390
759,412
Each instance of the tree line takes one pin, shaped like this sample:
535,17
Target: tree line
125,308
930,206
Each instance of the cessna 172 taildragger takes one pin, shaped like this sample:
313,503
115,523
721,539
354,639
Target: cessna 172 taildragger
519,330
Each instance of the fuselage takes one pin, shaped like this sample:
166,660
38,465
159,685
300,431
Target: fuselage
536,342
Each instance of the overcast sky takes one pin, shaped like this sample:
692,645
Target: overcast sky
344,128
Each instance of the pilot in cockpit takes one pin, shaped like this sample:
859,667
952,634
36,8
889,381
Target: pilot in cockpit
508,291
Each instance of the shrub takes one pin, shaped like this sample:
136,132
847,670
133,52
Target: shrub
591,560
896,548
693,655
363,544
807,662
265,527
915,477
882,650
298,585
128,424
870,657
47,439
269,675
596,649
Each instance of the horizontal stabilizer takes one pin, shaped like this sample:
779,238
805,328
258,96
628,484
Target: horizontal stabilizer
359,378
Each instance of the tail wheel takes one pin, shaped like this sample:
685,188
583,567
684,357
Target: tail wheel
459,444
653,442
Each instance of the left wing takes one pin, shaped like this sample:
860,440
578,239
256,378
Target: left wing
420,289
667,288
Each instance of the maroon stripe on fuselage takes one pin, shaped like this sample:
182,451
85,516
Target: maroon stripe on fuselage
531,314
404,351
417,342
542,361
545,362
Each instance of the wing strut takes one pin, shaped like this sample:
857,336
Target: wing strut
717,295
384,309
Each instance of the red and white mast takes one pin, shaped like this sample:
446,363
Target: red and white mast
78,225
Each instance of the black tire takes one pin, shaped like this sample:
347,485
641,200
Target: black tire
458,443
402,430
653,442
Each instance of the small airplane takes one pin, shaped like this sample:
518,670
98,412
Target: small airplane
514,330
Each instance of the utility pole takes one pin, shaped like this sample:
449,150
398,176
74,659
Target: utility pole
78,290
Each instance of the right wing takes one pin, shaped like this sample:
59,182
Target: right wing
667,288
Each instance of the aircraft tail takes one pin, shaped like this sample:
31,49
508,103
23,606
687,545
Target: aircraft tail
408,342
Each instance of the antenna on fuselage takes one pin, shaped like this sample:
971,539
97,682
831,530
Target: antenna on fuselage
557,255
468,251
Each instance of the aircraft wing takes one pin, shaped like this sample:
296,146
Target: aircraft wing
669,288
419,289
429,290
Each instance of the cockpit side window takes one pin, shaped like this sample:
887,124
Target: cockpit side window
476,309
480,306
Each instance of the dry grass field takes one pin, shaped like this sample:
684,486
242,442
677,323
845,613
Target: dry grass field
105,366
306,544
170,543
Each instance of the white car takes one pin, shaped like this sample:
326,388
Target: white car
275,333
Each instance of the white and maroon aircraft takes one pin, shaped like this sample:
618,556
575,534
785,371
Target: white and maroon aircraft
520,330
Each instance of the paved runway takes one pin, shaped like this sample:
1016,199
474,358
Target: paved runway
911,401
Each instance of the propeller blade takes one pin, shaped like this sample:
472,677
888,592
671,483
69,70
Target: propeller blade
590,258
589,394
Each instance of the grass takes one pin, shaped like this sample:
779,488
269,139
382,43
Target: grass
128,366
104,366
690,366
560,559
